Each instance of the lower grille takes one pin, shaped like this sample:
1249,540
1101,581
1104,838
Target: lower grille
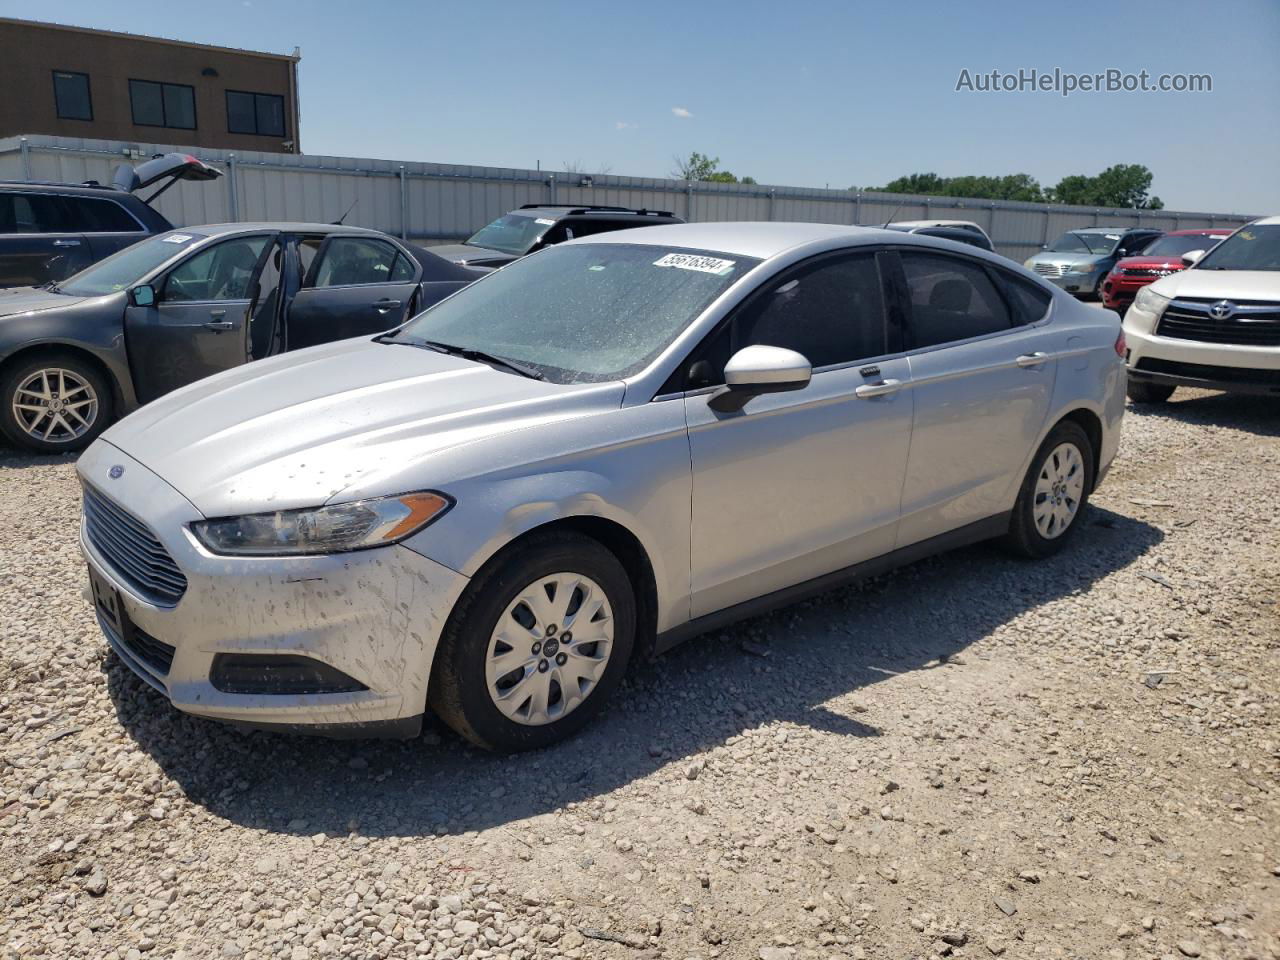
1145,272
1211,372
132,550
154,653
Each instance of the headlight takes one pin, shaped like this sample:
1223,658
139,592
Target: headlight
1029,263
1082,268
332,529
1150,301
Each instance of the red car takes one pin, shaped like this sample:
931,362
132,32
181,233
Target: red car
1162,257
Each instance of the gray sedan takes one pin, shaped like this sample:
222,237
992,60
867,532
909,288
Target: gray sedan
585,457
187,303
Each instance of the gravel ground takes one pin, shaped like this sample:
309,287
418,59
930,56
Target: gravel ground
975,756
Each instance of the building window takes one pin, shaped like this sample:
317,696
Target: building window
163,104
71,95
261,114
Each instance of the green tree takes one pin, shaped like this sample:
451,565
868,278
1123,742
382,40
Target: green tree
699,166
1015,186
1121,185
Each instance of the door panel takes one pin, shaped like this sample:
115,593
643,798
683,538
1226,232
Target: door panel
37,244
200,323
795,485
323,314
104,245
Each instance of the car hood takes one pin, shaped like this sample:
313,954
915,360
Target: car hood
1151,263
1221,284
466,254
1067,259
297,430
17,300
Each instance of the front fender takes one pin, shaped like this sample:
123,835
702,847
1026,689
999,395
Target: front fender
85,331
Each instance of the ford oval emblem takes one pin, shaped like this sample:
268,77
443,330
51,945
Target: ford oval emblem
116,472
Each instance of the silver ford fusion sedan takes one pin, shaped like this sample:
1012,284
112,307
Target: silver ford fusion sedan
583,458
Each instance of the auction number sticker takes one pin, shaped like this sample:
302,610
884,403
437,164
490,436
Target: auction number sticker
690,261
177,238
545,222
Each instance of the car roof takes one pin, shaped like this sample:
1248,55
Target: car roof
747,239
1116,230
73,189
914,224
562,210
1268,221
1200,231
219,229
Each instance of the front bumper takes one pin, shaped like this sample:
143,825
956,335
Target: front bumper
1189,363
375,615
1077,283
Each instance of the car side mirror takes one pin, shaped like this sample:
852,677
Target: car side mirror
1192,256
761,369
143,295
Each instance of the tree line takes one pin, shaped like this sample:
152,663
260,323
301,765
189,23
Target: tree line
1122,185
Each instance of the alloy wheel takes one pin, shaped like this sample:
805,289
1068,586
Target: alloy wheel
55,405
1059,490
549,649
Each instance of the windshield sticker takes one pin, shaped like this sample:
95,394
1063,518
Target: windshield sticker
545,222
1113,236
177,238
689,261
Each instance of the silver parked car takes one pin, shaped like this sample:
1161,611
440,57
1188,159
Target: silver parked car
597,451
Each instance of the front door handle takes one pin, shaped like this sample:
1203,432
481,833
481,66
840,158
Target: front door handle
1032,359
881,388
220,325
382,306
66,243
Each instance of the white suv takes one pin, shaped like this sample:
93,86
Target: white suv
1216,325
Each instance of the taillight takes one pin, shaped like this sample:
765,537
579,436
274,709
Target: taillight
1122,348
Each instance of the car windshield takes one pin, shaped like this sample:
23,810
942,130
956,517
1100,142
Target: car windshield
582,313
1255,247
1170,246
1081,242
122,270
512,233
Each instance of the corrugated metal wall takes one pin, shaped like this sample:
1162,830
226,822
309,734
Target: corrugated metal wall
434,202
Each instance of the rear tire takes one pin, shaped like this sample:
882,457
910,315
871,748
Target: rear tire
54,402
1141,391
492,649
1054,493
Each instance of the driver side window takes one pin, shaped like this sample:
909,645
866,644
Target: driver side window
223,271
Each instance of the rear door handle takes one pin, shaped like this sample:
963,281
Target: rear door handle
382,306
220,325
66,243
1032,359
881,388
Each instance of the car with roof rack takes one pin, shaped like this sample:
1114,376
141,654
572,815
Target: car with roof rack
49,231
537,225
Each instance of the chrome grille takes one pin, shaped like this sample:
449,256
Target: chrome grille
132,550
1050,269
1253,323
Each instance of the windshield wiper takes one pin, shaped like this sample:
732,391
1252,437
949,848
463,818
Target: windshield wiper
466,353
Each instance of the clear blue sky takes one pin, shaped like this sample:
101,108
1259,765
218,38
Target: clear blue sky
810,94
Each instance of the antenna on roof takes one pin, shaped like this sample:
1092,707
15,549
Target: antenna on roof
338,222
895,211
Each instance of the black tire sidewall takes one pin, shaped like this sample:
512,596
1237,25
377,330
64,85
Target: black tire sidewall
459,690
24,369
1024,536
1140,391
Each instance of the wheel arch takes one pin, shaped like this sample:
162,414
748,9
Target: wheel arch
1091,423
624,545
27,351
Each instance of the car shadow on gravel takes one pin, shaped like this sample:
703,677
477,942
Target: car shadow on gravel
814,665
1259,415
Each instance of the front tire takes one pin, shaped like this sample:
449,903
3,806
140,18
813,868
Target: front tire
54,402
537,643
1054,493
1141,391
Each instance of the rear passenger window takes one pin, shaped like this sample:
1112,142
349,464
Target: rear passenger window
951,299
1029,302
831,313
31,213
355,260
90,215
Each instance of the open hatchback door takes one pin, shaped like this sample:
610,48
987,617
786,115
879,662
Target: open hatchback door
170,167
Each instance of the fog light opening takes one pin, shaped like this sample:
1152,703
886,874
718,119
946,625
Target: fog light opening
278,674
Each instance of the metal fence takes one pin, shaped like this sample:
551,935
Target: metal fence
437,202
